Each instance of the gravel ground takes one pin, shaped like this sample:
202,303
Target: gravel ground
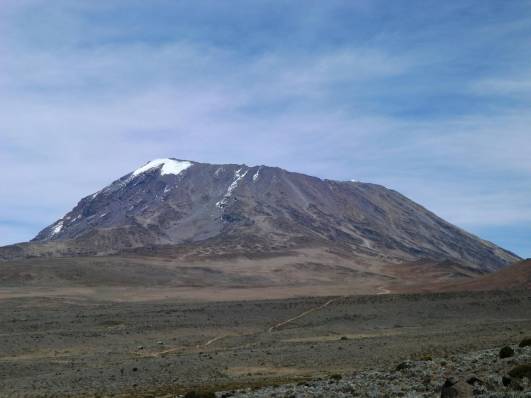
480,373
68,347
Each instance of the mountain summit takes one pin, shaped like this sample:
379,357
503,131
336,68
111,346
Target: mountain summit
171,204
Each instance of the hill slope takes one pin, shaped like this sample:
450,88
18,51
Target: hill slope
515,276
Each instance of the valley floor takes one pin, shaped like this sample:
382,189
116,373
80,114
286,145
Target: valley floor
67,346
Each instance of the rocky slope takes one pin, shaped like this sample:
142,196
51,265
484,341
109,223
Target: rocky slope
171,204
474,374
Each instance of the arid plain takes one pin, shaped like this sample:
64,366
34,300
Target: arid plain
73,346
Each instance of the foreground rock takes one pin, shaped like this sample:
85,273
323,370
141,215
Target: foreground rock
476,374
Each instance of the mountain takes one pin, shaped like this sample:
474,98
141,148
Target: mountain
171,205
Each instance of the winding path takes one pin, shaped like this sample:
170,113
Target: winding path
383,290
214,340
301,315
270,330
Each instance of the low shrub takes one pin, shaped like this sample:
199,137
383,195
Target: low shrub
506,352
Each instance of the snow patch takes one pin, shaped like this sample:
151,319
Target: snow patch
57,228
169,166
237,178
257,174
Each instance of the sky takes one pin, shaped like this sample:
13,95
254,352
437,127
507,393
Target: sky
430,98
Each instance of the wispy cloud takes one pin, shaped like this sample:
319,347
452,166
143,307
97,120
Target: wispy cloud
508,86
427,98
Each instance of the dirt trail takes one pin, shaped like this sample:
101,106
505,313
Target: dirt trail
175,349
215,339
270,330
383,290
303,314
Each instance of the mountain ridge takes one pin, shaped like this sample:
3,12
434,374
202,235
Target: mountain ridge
255,210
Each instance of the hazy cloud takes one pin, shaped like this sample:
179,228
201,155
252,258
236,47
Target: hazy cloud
424,97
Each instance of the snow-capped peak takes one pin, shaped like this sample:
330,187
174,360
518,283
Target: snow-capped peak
169,166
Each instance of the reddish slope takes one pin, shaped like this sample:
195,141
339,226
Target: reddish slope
516,276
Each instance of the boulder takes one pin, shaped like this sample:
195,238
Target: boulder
506,352
521,371
454,388
511,383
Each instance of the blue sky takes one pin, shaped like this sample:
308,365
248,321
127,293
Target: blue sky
430,98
